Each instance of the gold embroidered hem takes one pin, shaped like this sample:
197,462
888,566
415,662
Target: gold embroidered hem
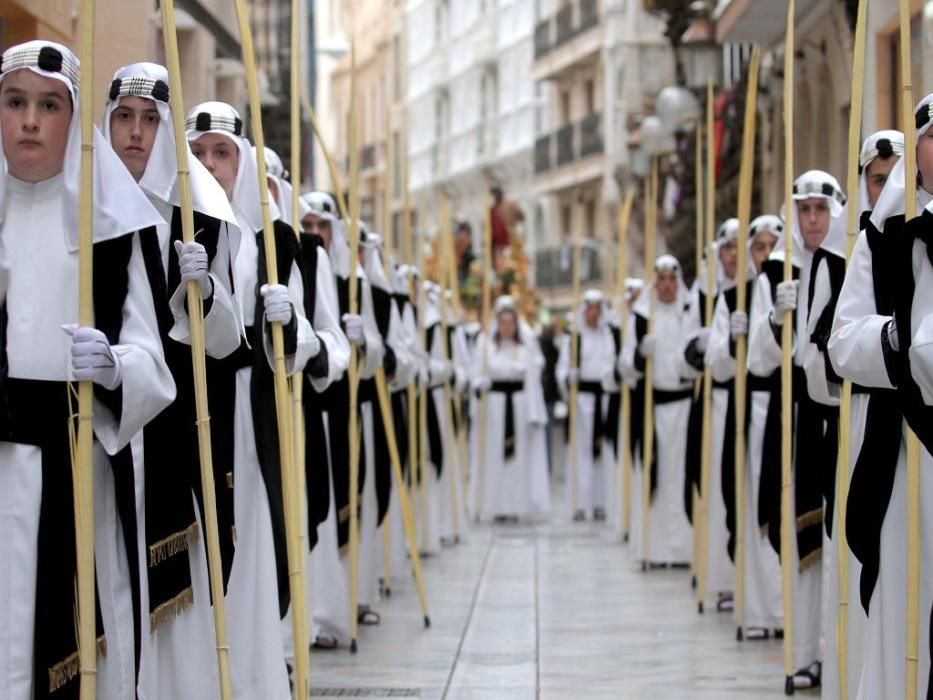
171,608
172,545
65,670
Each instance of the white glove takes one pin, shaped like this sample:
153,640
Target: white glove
573,375
483,384
646,346
194,266
353,323
893,339
278,306
785,299
702,339
92,358
444,370
423,377
738,324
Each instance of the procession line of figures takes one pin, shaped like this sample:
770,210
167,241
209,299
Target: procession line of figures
871,323
155,626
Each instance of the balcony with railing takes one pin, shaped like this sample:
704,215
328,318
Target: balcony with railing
570,143
554,266
571,21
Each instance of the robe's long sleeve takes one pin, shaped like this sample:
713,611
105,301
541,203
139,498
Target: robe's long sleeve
855,346
627,358
375,351
719,352
147,386
303,331
327,327
764,351
405,366
222,324
820,384
921,347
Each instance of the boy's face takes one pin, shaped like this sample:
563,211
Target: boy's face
133,128
35,115
219,154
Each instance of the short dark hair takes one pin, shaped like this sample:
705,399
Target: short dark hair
464,227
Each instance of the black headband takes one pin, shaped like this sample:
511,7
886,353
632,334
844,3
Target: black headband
48,59
825,189
139,87
205,121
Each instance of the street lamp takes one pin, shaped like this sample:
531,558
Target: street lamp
678,109
656,139
699,53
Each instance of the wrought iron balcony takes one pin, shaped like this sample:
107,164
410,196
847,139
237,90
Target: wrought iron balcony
368,156
574,18
542,37
574,141
565,149
543,153
591,135
554,266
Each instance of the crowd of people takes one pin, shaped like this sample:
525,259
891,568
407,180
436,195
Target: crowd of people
476,442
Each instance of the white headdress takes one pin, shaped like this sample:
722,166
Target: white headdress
120,207
323,206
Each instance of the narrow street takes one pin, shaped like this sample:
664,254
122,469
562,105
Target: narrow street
552,611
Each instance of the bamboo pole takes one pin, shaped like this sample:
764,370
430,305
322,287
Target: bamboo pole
707,427
283,405
454,285
423,391
83,469
845,405
299,492
699,222
651,211
913,444
575,364
353,370
445,234
787,406
624,458
485,319
746,172
196,321
387,238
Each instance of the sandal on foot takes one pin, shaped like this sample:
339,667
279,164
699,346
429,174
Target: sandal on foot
599,515
725,603
579,516
808,677
368,617
324,642
757,634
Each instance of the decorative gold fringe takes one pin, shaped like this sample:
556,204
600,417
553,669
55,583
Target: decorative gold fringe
810,559
171,608
814,517
64,671
229,480
172,545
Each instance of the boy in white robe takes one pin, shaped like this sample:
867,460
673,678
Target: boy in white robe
669,537
121,355
178,655
817,212
873,315
258,591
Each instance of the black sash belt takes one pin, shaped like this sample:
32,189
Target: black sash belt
509,389
663,396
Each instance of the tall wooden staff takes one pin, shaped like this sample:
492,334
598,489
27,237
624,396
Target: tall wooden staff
845,405
83,466
283,406
382,395
651,222
787,367
424,392
485,314
414,421
746,171
354,370
196,321
445,234
695,495
387,238
707,427
913,444
454,285
575,365
300,606
625,456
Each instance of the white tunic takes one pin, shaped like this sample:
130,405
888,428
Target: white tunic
762,569
518,486
764,357
256,654
180,659
42,296
877,646
670,538
596,363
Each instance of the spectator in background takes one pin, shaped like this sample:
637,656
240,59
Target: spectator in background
463,245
